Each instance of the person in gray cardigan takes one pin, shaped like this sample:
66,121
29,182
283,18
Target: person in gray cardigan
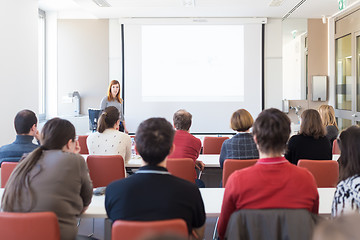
113,99
52,178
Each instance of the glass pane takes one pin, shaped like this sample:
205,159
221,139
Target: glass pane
343,73
343,123
358,73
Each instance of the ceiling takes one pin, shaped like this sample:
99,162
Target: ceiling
190,8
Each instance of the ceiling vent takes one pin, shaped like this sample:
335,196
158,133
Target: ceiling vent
293,9
275,3
101,3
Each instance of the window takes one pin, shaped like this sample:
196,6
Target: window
41,62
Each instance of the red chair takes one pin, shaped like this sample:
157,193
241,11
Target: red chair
30,226
135,230
182,167
325,172
105,169
6,169
83,146
231,165
335,148
212,145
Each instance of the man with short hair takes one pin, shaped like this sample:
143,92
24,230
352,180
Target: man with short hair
25,123
272,182
186,145
152,193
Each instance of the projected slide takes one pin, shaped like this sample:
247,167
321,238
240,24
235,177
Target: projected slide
192,63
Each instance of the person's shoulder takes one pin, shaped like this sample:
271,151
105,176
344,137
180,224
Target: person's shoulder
69,157
297,138
6,147
122,185
299,171
179,183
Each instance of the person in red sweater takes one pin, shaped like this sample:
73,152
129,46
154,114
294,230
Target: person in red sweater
272,182
186,145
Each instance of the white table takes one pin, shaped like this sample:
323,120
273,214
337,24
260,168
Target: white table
210,160
212,198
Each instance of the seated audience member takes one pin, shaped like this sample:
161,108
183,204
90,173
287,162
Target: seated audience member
311,142
347,194
26,129
152,193
272,182
186,145
341,228
108,140
242,145
327,115
53,178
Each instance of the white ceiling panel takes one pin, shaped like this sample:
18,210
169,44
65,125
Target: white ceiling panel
202,8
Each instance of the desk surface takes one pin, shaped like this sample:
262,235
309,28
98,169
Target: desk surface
210,160
212,198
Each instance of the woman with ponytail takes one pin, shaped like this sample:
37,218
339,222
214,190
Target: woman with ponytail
53,177
108,140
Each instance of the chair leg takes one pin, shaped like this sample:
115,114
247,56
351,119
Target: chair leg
215,234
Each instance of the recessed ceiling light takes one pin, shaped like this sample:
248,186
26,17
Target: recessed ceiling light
102,3
189,3
275,3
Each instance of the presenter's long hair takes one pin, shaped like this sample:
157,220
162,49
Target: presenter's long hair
56,133
108,118
109,95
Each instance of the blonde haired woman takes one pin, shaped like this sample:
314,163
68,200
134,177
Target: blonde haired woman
327,115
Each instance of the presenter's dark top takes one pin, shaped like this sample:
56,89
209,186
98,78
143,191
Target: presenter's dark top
307,147
153,194
14,151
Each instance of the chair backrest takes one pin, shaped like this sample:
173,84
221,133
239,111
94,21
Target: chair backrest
6,169
182,168
83,146
9,159
335,147
30,226
325,172
212,145
231,165
271,224
104,169
135,230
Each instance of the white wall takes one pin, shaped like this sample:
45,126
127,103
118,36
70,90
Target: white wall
18,62
273,64
83,62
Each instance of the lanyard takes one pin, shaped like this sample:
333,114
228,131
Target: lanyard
153,171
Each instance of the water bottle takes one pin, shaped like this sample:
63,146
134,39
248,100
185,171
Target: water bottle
133,152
